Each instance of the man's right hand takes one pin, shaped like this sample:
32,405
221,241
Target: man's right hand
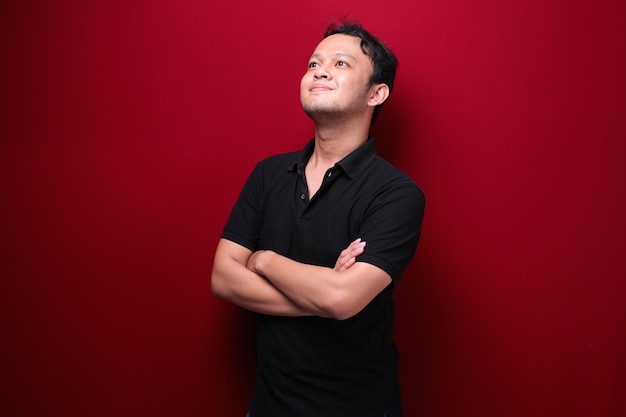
348,256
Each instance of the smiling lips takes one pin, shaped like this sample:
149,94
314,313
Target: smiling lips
319,87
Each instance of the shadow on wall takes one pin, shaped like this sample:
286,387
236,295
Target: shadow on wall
397,131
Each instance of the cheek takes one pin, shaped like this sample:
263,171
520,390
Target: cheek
302,85
304,80
303,88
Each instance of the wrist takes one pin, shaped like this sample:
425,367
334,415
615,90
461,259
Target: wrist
260,261
264,261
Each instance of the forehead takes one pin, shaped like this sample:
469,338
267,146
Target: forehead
341,44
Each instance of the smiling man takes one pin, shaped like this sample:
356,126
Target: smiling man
317,242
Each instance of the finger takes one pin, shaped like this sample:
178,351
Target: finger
357,249
347,257
345,265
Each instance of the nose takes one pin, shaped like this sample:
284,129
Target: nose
321,72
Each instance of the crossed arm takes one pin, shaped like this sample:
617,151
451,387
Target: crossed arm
269,283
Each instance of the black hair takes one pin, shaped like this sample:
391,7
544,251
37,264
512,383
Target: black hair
383,60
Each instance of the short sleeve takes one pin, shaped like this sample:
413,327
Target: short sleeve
391,226
243,225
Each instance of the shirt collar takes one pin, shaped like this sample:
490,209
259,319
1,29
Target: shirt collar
352,164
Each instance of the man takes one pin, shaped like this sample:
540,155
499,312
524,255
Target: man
317,241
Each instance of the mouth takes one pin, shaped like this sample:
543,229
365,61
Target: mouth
319,88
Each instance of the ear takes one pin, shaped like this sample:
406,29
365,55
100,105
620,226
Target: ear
378,95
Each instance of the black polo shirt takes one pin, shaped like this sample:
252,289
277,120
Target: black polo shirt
312,366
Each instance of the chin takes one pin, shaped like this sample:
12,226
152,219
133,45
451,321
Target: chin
322,111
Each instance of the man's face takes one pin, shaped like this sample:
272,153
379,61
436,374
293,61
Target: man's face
337,81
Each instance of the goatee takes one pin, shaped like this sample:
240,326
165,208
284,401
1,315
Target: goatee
322,113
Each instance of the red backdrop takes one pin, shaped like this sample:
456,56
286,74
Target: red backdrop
128,128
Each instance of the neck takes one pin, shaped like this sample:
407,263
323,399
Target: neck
334,141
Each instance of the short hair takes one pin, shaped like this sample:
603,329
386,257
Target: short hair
383,60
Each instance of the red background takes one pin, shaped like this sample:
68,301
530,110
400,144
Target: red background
128,128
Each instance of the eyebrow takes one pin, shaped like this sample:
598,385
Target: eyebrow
337,54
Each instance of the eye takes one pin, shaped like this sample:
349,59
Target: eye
313,64
342,64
